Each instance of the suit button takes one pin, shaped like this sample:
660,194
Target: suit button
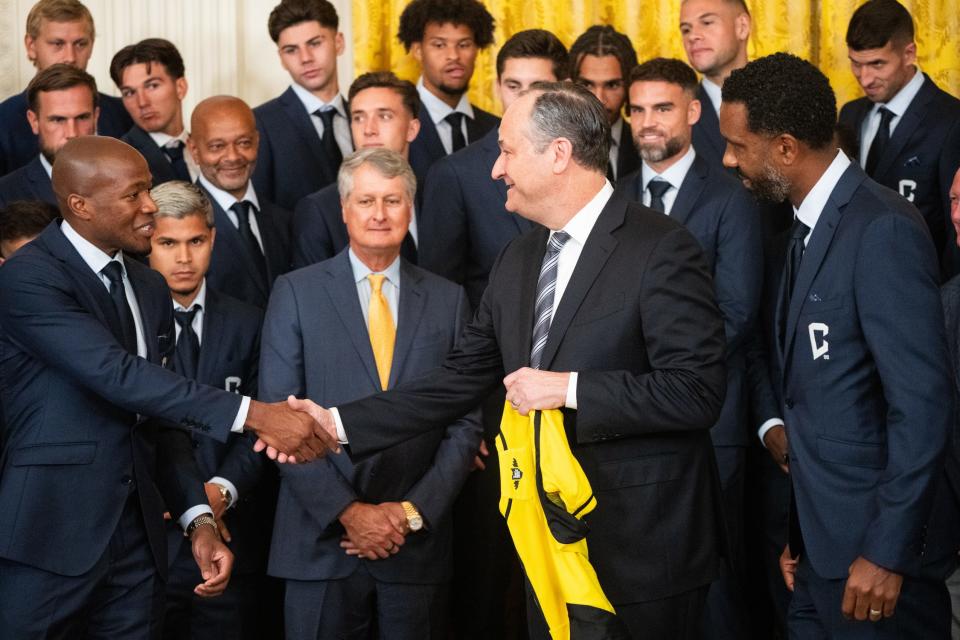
788,403
126,480
196,444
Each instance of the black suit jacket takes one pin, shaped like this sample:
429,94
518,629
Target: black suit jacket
160,167
18,144
706,132
29,182
291,162
427,147
638,321
232,269
920,160
628,160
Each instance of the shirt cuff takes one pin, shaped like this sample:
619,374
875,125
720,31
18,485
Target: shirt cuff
234,496
571,401
241,418
766,426
341,432
191,514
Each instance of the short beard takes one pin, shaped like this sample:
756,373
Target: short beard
454,92
771,185
653,155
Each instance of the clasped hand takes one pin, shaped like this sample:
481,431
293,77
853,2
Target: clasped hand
373,530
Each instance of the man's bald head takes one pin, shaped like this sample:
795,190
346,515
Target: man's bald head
220,107
223,141
87,163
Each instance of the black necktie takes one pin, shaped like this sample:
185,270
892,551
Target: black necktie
174,154
880,141
657,188
456,129
188,344
242,211
329,139
791,267
114,273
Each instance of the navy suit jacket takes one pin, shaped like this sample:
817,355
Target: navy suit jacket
723,217
867,399
291,162
706,132
920,160
464,211
232,270
427,147
315,344
18,144
29,182
75,445
628,160
160,167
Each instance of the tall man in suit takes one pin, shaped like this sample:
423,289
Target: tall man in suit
305,132
254,234
218,343
723,217
445,37
628,341
371,547
383,113
62,105
58,31
907,128
83,333
601,59
149,75
866,394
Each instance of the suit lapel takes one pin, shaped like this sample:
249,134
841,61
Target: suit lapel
211,336
709,122
271,248
412,301
40,180
228,235
690,190
149,312
342,289
909,122
306,131
428,135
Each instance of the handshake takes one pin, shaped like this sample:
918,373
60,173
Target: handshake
292,431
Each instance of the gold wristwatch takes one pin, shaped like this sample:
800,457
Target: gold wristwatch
224,493
199,521
414,519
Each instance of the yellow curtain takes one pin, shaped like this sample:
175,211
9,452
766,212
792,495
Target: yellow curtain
812,29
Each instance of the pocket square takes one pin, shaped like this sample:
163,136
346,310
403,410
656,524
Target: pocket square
912,161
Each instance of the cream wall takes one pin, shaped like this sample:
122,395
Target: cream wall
224,44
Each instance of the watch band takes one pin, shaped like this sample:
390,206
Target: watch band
199,521
224,493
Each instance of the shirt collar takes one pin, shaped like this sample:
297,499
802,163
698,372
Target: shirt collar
714,92
437,108
163,139
91,254
200,300
581,224
311,102
813,203
361,271
674,174
46,166
900,102
224,199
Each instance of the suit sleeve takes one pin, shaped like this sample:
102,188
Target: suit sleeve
443,224
738,272
901,318
763,399
263,178
311,237
683,332
178,479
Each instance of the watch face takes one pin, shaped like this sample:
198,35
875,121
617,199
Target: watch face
416,523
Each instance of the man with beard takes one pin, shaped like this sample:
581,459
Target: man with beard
253,234
62,103
863,368
677,181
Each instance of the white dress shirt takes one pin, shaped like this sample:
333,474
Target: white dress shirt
225,200
616,135
164,140
674,174
438,110
341,121
714,92
46,166
898,105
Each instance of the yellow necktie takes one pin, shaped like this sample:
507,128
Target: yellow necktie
382,332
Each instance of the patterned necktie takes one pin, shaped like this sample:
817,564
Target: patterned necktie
791,267
329,139
546,288
174,153
657,189
118,292
880,141
188,344
242,211
456,129
383,333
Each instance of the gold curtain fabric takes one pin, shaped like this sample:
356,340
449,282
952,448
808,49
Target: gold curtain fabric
812,29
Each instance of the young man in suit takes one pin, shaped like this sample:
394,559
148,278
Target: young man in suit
675,180
863,364
149,75
81,380
371,548
253,245
58,31
62,105
907,128
639,404
383,113
445,37
305,132
600,60
21,222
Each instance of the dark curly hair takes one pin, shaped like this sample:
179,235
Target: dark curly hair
291,12
877,22
470,13
785,94
600,41
668,70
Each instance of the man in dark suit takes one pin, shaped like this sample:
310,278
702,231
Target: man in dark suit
63,105
83,333
218,343
864,370
628,340
253,245
907,128
58,31
371,548
601,60
21,222
149,75
383,113
445,37
305,132
723,217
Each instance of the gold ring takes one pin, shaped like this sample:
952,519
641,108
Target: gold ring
874,613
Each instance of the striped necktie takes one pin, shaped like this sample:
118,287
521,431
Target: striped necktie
546,288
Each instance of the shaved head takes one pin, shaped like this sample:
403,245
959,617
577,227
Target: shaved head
219,107
223,141
87,164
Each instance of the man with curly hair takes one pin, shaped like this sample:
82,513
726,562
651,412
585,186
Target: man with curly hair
445,37
862,378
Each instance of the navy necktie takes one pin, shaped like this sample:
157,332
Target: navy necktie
880,141
546,290
242,211
174,154
329,139
118,292
657,189
188,344
456,129
791,268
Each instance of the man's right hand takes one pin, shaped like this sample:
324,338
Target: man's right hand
788,568
294,434
370,531
775,440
